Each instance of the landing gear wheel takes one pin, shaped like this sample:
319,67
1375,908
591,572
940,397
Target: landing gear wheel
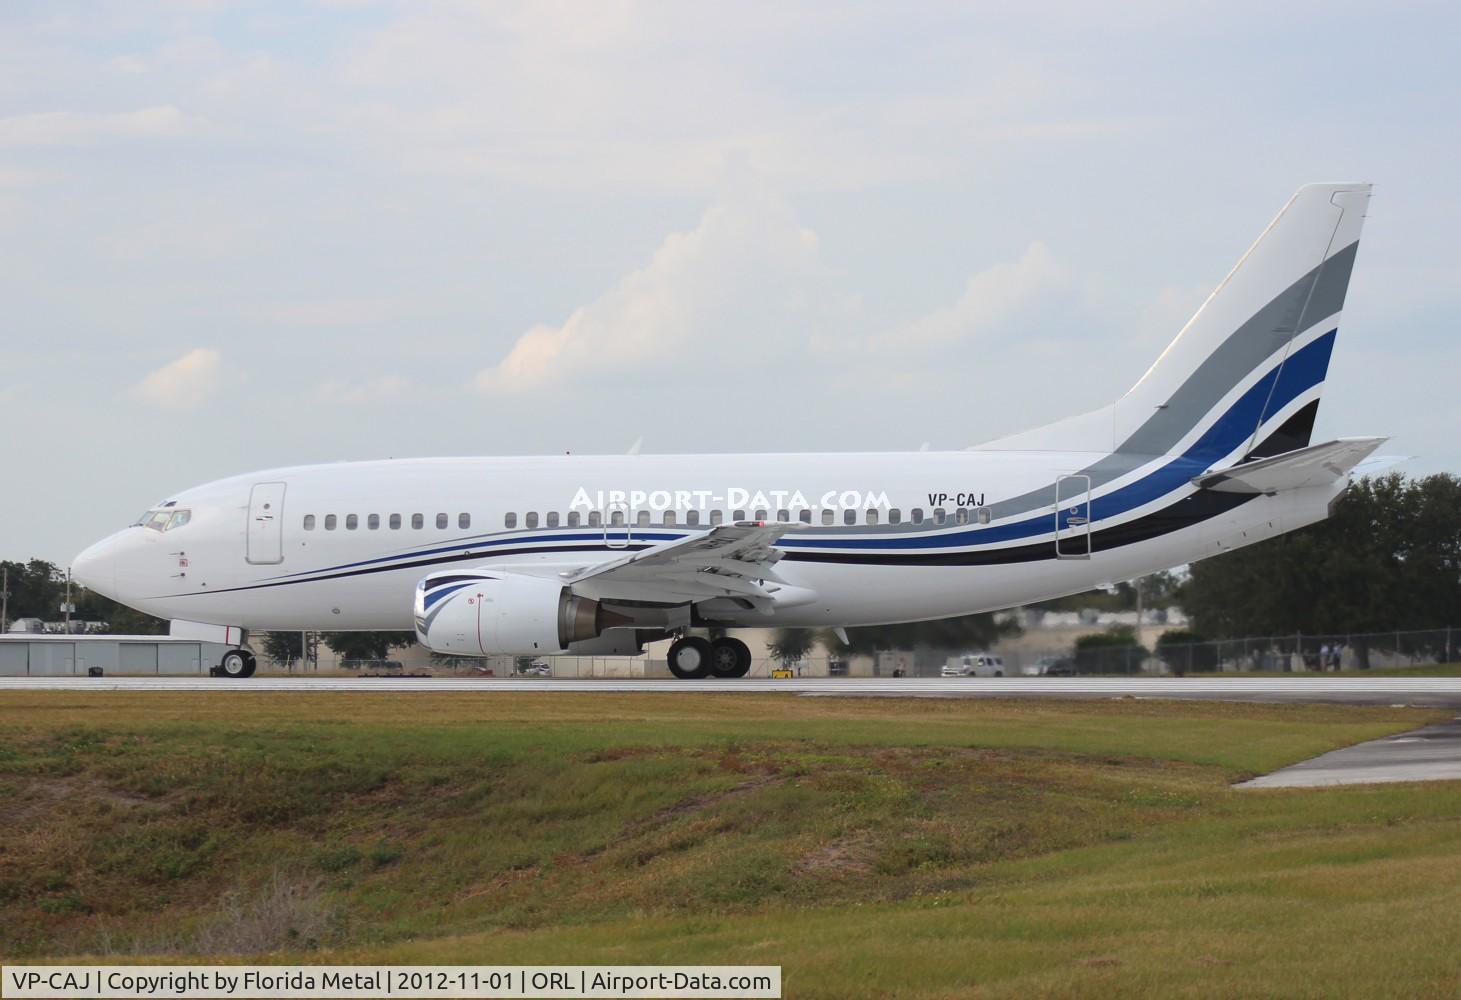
729,658
236,663
690,658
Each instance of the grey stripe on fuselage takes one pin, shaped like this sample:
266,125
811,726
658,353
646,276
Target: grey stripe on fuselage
1270,328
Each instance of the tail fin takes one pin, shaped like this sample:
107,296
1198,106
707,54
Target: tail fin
1255,355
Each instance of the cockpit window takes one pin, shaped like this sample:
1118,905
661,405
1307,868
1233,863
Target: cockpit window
165,520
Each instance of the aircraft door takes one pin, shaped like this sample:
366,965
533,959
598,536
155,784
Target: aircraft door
617,525
1073,517
266,524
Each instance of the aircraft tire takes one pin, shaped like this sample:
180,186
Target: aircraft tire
237,664
690,658
729,657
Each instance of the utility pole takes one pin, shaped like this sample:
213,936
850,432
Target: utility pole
5,605
68,600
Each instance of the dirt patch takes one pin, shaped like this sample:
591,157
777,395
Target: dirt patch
853,855
699,802
39,796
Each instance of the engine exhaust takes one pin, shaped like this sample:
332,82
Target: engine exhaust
580,618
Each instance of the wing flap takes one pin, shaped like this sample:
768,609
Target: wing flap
728,560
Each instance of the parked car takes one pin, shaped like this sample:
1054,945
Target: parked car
955,670
1051,666
538,668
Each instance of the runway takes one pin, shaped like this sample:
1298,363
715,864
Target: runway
1428,691
1432,753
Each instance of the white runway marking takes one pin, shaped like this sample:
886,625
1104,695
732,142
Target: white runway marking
1377,690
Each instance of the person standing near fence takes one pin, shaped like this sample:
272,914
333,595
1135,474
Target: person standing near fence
1324,656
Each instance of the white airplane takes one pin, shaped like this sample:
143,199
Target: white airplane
1209,451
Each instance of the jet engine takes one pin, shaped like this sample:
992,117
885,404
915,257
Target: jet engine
476,613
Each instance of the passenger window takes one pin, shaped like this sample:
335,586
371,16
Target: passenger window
373,522
849,517
329,522
872,516
961,515
895,516
595,519
395,522
938,515
643,518
827,516
805,517
738,515
760,516
916,515
616,518
509,520
552,518
692,518
983,515
464,521
418,521
714,518
309,522
530,519
669,519
352,521
783,515
573,518
441,521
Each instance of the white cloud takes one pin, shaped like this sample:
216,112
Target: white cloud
989,299
63,128
734,283
184,384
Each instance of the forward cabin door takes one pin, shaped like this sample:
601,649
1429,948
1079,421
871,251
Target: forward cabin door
266,524
1073,517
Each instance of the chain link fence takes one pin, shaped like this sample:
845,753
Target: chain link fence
1295,653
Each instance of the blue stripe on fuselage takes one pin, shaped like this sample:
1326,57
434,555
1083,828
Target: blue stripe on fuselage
1300,372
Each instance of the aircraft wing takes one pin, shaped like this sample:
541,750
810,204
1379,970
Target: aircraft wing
729,560
1317,465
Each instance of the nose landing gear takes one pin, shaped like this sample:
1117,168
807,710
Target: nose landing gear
236,663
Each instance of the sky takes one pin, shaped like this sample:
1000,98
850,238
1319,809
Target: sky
238,236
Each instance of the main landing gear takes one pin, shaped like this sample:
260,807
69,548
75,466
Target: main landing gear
691,658
236,664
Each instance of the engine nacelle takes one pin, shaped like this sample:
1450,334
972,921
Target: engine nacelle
478,613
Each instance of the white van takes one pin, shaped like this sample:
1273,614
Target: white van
976,665
983,665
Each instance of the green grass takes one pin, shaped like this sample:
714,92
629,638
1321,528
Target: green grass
911,847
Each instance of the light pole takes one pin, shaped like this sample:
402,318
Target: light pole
5,600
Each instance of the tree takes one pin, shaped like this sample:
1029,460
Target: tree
1388,558
788,645
284,647
1114,651
1186,652
366,645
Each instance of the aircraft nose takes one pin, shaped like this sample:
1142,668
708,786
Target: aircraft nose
96,568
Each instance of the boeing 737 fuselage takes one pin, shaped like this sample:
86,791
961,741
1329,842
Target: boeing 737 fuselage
1209,451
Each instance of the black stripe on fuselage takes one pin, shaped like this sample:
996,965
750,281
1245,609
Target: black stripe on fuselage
1184,513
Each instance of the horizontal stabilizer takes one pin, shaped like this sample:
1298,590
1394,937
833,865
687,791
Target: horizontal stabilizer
1317,465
